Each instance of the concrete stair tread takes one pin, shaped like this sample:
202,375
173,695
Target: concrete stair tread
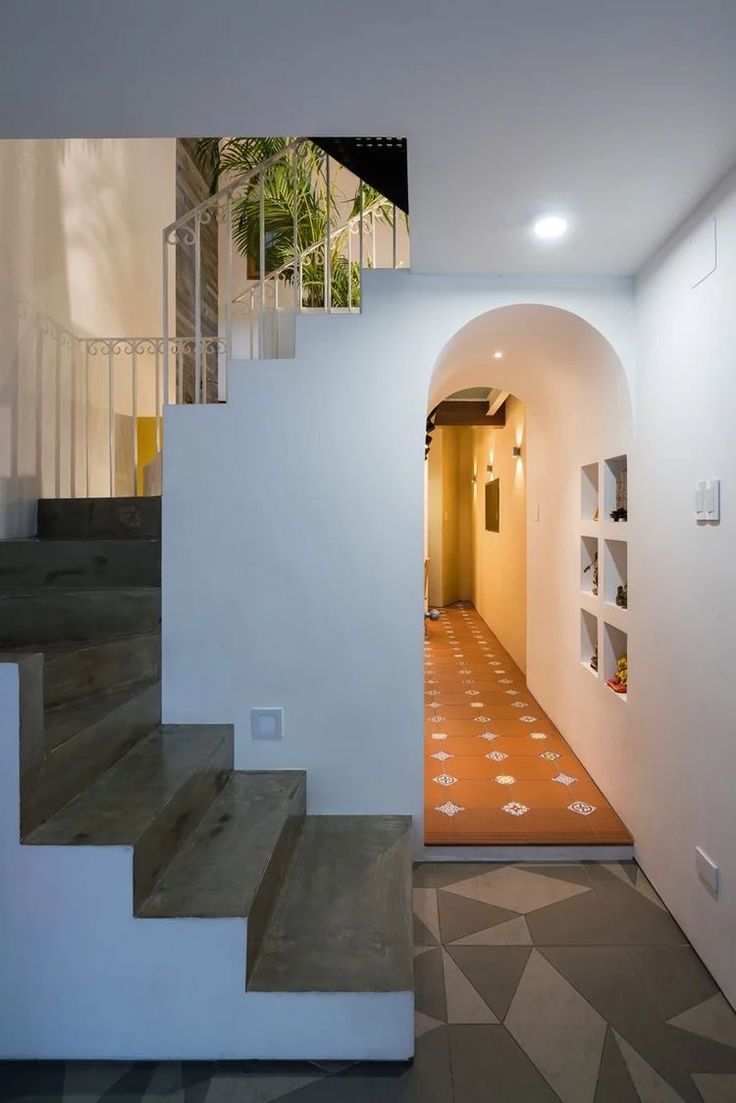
67,721
343,919
67,647
99,518
221,866
78,563
55,613
120,805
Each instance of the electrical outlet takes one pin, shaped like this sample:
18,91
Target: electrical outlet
267,723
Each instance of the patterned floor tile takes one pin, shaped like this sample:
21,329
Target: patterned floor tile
460,916
674,977
559,1029
464,1003
495,971
713,1018
716,1087
472,681
258,1083
514,932
614,1082
515,889
487,1064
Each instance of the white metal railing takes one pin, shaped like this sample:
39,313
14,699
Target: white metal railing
83,404
294,235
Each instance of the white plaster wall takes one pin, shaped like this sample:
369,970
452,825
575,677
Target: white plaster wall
81,978
294,531
684,580
80,223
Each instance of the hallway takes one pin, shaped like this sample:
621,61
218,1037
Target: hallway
497,771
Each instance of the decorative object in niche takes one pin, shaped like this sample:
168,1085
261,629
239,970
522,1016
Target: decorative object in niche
620,513
619,682
622,596
593,566
594,660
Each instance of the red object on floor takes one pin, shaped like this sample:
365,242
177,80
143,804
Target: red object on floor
497,771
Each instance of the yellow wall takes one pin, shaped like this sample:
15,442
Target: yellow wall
450,512
499,576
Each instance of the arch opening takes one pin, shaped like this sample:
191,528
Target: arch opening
528,722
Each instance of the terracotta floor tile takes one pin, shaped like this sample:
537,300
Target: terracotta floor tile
463,654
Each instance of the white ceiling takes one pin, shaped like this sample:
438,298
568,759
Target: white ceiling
622,112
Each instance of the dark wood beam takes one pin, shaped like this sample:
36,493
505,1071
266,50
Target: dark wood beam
468,413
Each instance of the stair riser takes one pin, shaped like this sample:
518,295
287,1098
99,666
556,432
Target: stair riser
101,668
25,564
77,762
99,518
49,616
176,819
274,876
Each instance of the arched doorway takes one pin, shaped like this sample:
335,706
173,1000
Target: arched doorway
543,771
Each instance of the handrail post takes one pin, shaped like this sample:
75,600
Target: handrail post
328,235
229,279
197,308
262,265
165,311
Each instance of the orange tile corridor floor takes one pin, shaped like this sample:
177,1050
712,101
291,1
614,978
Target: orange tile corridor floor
497,771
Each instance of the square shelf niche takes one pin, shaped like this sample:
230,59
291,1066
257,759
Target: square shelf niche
588,639
614,648
615,472
615,570
588,552
589,503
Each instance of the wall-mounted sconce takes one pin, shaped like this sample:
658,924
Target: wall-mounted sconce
489,469
517,450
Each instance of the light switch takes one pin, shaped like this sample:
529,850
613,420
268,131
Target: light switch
267,723
708,500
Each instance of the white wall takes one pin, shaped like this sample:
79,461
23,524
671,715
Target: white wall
293,534
683,581
80,222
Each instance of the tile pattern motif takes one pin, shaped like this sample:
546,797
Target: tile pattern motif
549,983
561,803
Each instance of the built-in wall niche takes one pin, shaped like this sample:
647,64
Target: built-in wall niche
589,641
615,489
614,651
615,573
589,504
589,564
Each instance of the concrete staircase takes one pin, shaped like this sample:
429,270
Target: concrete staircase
325,901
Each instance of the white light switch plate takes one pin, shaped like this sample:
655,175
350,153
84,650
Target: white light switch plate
267,723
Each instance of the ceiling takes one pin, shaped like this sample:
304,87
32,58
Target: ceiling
621,113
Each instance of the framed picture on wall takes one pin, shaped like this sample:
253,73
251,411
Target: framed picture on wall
492,506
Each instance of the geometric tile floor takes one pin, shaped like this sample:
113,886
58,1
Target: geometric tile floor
534,984
496,770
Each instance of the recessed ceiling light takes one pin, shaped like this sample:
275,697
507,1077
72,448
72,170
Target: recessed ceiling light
498,355
550,227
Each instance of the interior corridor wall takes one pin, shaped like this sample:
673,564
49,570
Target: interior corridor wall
449,518
80,223
683,579
499,569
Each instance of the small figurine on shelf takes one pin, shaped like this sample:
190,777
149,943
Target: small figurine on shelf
593,566
620,513
594,660
619,682
622,597
596,514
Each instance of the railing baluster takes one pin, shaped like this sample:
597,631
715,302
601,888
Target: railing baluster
86,419
296,261
393,228
360,249
262,264
57,435
73,419
328,234
229,279
165,307
134,409
159,403
197,309
111,417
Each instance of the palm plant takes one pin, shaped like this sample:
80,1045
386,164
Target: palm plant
297,199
